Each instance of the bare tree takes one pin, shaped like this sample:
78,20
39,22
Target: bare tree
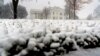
89,17
15,5
75,5
96,13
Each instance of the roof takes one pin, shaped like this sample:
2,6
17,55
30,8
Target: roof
35,11
55,8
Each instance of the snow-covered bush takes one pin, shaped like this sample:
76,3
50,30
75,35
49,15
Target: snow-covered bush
55,45
47,37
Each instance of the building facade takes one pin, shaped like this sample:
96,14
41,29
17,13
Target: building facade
50,13
36,14
56,13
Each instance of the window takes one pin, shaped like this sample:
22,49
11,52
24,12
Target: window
60,13
53,13
53,17
60,17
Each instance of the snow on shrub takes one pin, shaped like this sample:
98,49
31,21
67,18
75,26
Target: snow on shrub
61,35
54,45
48,53
41,45
22,53
39,31
47,37
32,43
55,38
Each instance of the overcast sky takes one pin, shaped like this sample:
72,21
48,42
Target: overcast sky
39,4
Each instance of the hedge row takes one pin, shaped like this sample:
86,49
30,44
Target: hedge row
43,43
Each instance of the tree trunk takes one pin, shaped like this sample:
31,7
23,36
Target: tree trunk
74,8
69,12
15,5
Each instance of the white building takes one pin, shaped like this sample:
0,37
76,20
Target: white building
53,13
35,14
56,13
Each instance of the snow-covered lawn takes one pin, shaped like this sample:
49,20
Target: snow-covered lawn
87,52
49,37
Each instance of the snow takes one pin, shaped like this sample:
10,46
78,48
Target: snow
32,43
47,39
22,53
40,32
89,52
55,38
55,45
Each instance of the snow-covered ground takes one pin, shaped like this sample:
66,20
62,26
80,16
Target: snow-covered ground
89,52
18,31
